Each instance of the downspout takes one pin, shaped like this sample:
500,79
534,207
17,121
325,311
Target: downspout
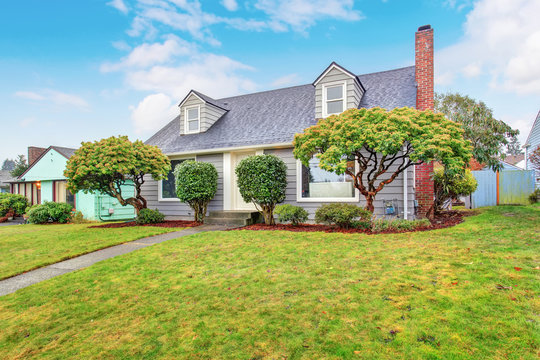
405,192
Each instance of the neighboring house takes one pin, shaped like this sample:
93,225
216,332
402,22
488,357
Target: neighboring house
532,143
225,131
516,160
5,178
44,181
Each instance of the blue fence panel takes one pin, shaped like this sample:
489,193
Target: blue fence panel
486,192
515,186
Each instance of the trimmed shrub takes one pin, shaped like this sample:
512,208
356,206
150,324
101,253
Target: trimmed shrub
196,185
448,187
380,225
149,216
290,213
50,212
342,215
533,198
361,224
262,180
16,203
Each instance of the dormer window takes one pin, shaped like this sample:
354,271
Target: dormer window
333,98
193,119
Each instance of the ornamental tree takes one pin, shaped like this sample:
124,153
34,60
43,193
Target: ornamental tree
262,180
196,185
488,136
383,144
107,165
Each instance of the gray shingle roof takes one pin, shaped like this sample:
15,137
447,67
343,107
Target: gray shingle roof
5,178
67,152
275,116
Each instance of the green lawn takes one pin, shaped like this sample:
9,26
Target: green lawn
26,247
285,295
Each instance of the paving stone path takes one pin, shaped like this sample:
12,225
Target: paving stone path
17,282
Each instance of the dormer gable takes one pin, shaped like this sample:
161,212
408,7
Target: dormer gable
199,112
336,90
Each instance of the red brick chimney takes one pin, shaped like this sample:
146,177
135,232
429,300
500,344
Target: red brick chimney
424,100
34,153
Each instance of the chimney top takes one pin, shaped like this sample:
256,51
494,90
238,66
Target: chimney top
424,27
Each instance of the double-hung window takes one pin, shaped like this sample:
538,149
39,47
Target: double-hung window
333,99
193,116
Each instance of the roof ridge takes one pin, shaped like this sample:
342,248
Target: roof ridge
262,92
385,71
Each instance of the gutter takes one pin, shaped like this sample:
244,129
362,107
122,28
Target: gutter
405,193
233,148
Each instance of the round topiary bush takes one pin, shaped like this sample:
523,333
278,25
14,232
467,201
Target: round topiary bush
290,213
196,185
262,180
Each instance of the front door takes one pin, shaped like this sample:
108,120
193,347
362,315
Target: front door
238,202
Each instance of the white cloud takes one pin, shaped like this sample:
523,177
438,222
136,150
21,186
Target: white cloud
54,97
150,54
501,39
153,112
119,5
290,79
230,5
300,15
29,95
277,15
26,122
121,45
215,75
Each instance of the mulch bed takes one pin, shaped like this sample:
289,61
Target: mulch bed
165,224
444,220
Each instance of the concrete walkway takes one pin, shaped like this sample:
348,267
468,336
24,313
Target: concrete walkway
15,283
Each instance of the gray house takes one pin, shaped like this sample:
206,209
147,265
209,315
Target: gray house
225,131
532,143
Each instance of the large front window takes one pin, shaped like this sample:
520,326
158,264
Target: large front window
334,99
316,183
168,185
192,119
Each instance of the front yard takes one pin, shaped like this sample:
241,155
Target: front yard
26,247
467,292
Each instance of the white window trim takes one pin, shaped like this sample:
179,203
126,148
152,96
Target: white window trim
186,127
301,199
344,96
160,182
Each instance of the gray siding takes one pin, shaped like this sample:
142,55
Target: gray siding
176,209
353,92
392,191
208,116
534,142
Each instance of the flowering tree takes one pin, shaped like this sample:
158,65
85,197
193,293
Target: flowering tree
109,164
382,142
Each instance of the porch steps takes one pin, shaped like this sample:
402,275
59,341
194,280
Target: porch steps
233,218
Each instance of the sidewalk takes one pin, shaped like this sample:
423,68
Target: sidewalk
15,283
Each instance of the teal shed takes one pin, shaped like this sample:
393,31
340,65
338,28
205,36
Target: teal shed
44,180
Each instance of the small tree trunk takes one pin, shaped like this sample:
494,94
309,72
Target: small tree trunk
268,214
369,203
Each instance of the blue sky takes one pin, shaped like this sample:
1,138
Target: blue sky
77,71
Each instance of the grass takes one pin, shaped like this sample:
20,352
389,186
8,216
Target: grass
26,247
285,295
